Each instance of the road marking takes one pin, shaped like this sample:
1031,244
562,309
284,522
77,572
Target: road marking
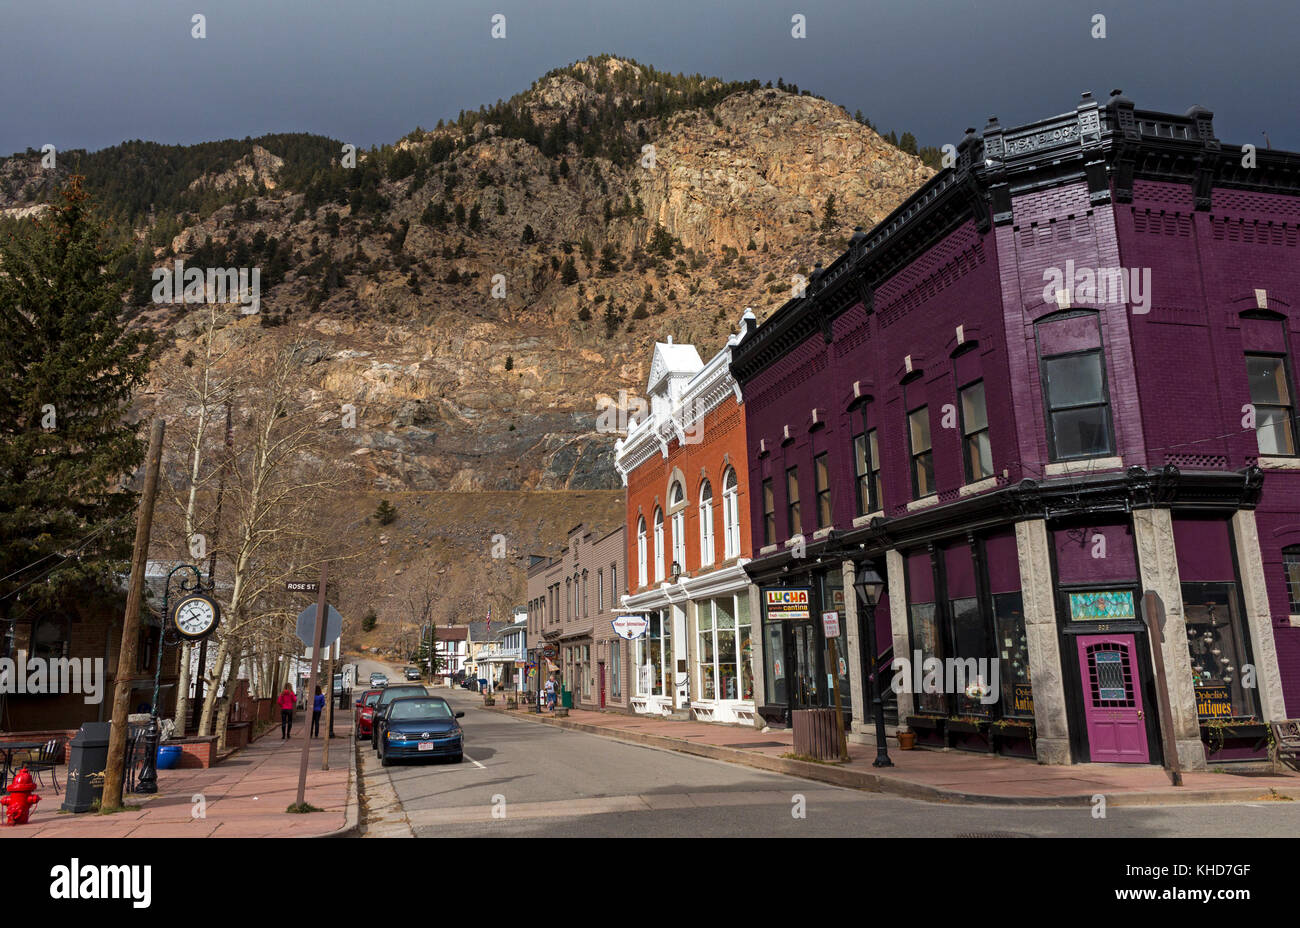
474,762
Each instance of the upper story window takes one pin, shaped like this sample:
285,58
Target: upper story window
1291,570
769,512
918,437
677,506
659,545
706,524
613,585
1270,394
793,516
822,478
586,601
1072,367
730,514
642,577
866,470
977,454
600,591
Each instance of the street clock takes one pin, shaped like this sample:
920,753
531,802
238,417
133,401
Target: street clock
196,616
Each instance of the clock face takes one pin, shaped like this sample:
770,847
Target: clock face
196,616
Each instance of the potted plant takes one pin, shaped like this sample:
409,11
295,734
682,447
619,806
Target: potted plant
906,740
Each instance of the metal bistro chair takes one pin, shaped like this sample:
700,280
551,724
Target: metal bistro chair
48,758
135,746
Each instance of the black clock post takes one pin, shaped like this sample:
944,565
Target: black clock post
167,634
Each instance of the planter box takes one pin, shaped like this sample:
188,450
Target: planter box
1244,741
562,712
1014,740
196,752
969,736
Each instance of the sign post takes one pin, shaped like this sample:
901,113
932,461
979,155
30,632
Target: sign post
831,626
318,642
1154,608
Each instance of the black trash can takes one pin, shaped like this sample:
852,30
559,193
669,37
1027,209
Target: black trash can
87,758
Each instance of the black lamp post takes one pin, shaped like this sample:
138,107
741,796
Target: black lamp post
869,587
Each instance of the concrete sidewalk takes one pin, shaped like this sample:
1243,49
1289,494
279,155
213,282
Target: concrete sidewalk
244,796
946,776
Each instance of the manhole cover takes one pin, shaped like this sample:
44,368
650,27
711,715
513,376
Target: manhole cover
990,834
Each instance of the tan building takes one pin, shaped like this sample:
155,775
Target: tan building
572,598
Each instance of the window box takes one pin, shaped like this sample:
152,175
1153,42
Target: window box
1236,740
969,734
1014,737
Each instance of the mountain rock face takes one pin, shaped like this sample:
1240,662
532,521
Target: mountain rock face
475,298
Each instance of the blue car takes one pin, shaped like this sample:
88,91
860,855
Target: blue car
421,726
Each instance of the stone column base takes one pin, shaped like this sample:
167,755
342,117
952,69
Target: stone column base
1191,754
1055,751
868,735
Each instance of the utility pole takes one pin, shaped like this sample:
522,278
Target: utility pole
129,649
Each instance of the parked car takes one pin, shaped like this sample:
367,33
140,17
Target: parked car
365,711
470,684
384,701
379,679
412,673
421,726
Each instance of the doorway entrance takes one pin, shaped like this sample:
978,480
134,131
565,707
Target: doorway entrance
600,681
1113,711
806,666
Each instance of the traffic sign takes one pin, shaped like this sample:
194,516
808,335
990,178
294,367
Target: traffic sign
831,624
307,624
301,586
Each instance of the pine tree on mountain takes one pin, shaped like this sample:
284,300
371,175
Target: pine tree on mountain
68,372
908,143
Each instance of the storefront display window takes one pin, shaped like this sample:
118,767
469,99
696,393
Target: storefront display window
969,641
1013,651
724,649
925,638
744,636
1220,652
774,669
654,657
833,601
704,612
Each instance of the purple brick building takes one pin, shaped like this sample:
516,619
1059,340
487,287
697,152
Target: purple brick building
1060,376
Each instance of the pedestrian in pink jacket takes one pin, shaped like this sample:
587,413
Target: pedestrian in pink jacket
287,701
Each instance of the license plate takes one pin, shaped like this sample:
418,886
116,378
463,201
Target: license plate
426,746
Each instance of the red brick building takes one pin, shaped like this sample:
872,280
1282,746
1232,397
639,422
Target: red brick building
688,538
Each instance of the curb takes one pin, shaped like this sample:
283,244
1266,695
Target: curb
875,783
352,815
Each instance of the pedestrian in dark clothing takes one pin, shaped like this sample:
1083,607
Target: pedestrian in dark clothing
317,706
286,712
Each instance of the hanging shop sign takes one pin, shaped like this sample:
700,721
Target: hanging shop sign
631,627
787,605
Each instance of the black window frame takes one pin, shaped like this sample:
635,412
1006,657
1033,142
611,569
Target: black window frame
1291,407
822,466
1045,386
769,512
1289,581
967,436
793,507
914,457
868,480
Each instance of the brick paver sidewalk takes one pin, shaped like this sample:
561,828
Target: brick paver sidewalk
929,774
245,796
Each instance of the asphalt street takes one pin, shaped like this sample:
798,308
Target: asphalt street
521,778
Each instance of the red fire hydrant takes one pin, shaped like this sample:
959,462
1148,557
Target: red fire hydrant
21,799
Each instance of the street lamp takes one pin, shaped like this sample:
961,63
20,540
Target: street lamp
869,586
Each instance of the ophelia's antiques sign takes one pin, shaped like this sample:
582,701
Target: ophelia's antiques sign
1213,702
1022,699
783,605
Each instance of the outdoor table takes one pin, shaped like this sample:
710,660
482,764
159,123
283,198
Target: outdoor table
8,751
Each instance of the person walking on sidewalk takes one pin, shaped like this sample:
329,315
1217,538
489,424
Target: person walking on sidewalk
317,706
550,694
287,701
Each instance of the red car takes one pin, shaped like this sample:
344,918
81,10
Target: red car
365,713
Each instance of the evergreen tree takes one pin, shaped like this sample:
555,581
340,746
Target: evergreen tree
385,512
568,273
829,217
68,371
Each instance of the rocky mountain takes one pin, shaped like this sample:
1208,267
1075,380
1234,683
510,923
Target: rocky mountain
473,289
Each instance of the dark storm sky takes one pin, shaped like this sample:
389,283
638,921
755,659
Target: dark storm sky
93,73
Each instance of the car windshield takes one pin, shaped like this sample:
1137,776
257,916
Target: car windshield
420,709
372,698
397,692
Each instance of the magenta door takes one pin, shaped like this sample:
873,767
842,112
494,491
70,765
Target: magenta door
1112,699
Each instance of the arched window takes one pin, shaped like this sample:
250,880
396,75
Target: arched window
586,602
677,507
730,514
659,545
706,524
642,576
1072,371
